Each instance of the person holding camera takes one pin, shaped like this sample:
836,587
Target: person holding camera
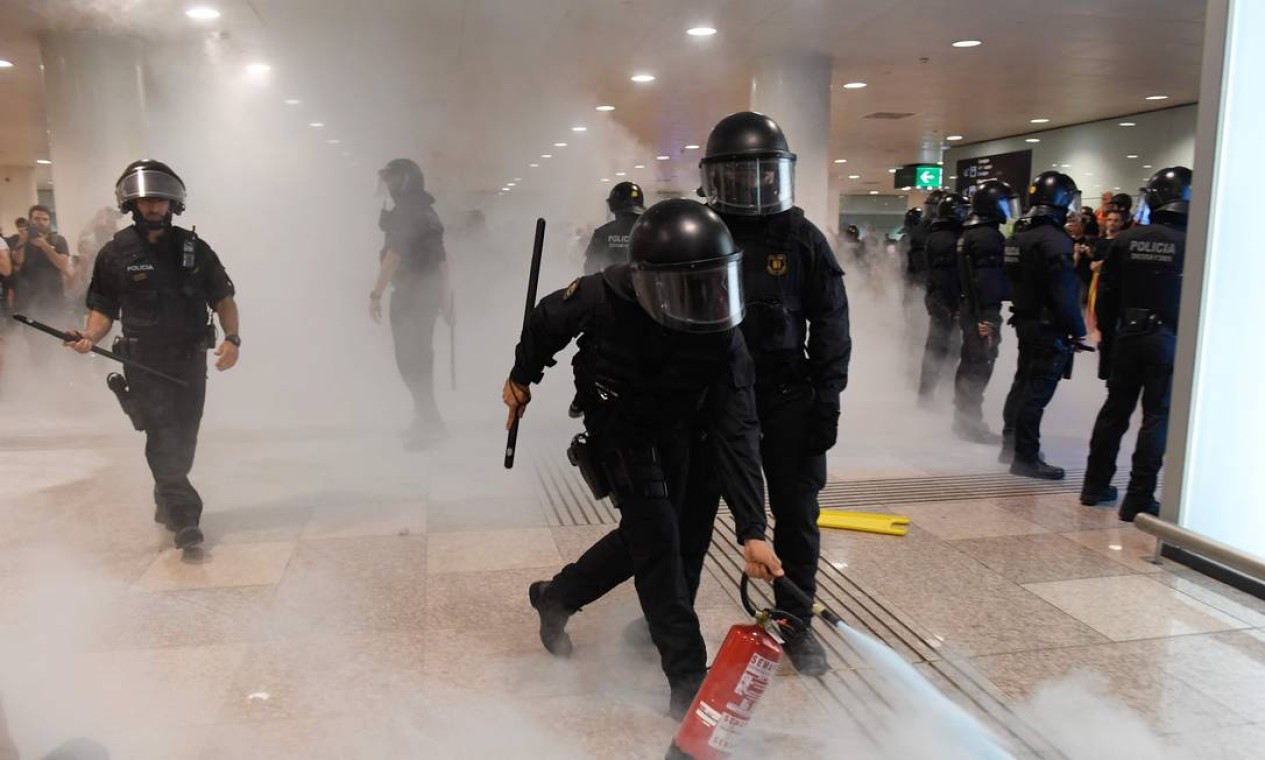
162,279
43,267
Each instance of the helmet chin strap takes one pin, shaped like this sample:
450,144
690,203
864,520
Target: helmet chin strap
141,221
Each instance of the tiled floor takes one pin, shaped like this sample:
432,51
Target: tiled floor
357,601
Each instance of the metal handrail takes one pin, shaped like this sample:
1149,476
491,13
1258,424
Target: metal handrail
1215,551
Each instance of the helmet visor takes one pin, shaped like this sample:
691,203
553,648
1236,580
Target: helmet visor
698,297
1007,208
750,186
147,183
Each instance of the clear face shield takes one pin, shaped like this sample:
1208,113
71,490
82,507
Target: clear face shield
699,297
753,186
1008,208
146,183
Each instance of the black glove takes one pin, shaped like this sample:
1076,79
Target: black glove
821,429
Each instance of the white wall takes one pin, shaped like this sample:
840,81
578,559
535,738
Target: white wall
17,194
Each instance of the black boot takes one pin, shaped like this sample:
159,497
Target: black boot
553,620
975,431
189,537
1007,453
1036,468
1095,496
162,518
807,654
1130,510
682,696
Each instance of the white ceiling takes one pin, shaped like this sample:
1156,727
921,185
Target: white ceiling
479,88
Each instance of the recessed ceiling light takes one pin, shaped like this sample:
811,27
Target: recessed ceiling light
640,166
953,138
855,85
1038,121
854,176
333,141
1146,166
202,13
606,179
1132,155
292,101
258,68
505,189
317,124
953,176
43,161
533,166
518,179
621,174
510,184
5,64
967,43
841,160
662,158
892,171
559,145
1115,188
606,108
691,146
546,155
642,78
906,188
700,31
1157,97
1067,166
1033,140
873,192
1127,124
579,129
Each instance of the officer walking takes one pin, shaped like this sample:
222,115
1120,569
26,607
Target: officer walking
980,257
944,290
797,331
659,361
414,263
609,244
162,279
1139,290
1046,317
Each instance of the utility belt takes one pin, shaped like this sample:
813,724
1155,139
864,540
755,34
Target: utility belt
619,472
1134,322
157,350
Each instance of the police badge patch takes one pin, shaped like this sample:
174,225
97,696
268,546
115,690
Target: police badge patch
777,264
574,286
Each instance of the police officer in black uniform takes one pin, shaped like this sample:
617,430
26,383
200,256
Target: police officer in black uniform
162,279
660,363
609,244
1046,316
982,278
1139,290
944,290
797,331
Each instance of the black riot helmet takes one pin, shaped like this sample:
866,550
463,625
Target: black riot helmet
1167,193
748,168
852,233
994,202
951,208
402,176
1053,195
624,196
913,218
931,205
148,178
686,270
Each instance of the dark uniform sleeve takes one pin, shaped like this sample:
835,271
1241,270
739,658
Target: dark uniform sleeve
988,255
218,284
593,255
407,227
826,309
103,291
1064,295
734,430
554,323
1107,302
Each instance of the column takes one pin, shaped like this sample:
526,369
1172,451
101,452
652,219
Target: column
17,194
794,90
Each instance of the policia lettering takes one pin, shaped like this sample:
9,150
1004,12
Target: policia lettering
797,331
659,367
160,280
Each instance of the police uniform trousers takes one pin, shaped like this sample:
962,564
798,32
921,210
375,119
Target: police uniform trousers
1043,359
414,310
975,369
1142,365
172,415
939,346
650,483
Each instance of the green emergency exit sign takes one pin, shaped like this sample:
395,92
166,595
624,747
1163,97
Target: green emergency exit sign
928,177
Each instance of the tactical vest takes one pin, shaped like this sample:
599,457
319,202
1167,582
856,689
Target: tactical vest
773,271
163,301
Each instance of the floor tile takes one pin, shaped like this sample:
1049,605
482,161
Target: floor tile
1060,513
1231,743
965,519
146,620
474,550
1126,545
220,566
368,519
1228,667
1235,603
485,514
1038,558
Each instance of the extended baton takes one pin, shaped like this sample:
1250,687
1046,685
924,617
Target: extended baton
538,248
69,337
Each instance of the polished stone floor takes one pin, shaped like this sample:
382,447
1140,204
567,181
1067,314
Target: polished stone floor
358,601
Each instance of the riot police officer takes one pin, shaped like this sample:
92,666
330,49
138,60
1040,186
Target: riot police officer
982,277
659,363
609,244
797,331
1139,290
160,280
944,289
1046,316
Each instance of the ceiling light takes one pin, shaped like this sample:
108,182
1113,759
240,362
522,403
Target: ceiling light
1115,188
906,188
1127,124
5,64
43,161
546,155
518,179
892,171
854,176
579,129
1038,121
700,31
1033,140
661,158
202,13
559,145
953,176
1146,166
509,184
691,146
347,154
1067,166
841,160
606,108
967,43
333,141
873,192
854,85
258,68
640,166
317,124
505,189
621,174
642,78
1157,97
1132,155
292,102
953,138
533,166
606,179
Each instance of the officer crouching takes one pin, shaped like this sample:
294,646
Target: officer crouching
160,280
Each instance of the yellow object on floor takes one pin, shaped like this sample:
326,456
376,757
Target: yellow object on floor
868,522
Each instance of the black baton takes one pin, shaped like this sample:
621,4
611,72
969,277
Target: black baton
72,338
538,248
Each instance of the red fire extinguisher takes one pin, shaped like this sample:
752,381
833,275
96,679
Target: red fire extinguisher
739,676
